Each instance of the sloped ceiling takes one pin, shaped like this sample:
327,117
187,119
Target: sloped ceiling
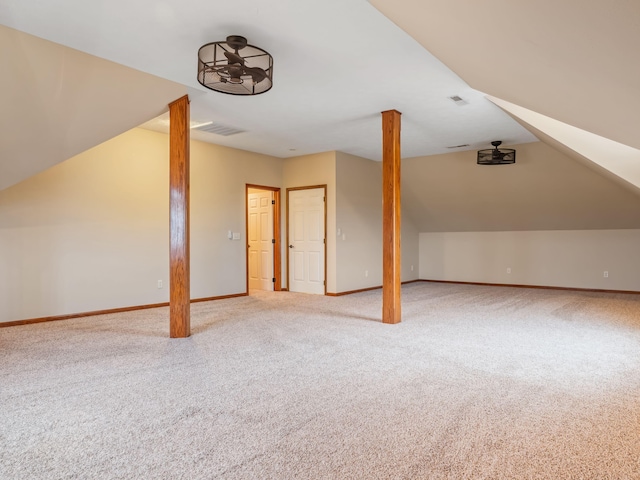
622,161
57,102
573,60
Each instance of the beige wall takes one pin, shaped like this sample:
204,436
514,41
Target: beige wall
218,187
410,249
92,233
359,218
544,190
310,170
560,258
548,217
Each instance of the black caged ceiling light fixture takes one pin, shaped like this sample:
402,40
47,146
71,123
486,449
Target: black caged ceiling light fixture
496,156
235,67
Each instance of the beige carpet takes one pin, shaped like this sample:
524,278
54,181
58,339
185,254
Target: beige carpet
477,382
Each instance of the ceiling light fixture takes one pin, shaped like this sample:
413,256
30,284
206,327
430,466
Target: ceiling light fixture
495,156
235,67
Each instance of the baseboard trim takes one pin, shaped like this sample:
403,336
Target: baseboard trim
543,287
340,294
109,311
350,292
220,297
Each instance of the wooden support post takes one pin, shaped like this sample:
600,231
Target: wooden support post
391,271
179,267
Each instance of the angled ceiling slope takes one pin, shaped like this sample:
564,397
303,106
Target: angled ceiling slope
574,61
621,160
58,102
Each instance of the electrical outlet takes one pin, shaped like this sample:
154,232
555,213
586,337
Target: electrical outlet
606,274
508,269
412,268
159,283
366,273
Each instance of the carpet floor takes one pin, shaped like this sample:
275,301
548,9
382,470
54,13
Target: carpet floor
475,383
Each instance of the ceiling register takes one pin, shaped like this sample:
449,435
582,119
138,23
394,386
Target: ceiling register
235,67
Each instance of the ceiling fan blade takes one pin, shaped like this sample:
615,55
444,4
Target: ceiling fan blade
257,73
234,58
213,68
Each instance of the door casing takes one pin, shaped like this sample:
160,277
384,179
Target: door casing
277,247
260,239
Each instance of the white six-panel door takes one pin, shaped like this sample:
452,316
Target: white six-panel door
306,240
260,236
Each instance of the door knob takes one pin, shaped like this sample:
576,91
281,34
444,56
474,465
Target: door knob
290,246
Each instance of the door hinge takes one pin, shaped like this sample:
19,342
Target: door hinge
324,199
273,280
273,240
273,202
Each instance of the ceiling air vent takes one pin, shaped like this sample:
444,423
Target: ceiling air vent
459,146
218,129
458,100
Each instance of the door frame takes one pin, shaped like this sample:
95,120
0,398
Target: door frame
277,246
310,187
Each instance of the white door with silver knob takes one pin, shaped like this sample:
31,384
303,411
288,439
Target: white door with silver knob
307,240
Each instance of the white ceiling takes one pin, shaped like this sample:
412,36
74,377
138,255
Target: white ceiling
337,65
